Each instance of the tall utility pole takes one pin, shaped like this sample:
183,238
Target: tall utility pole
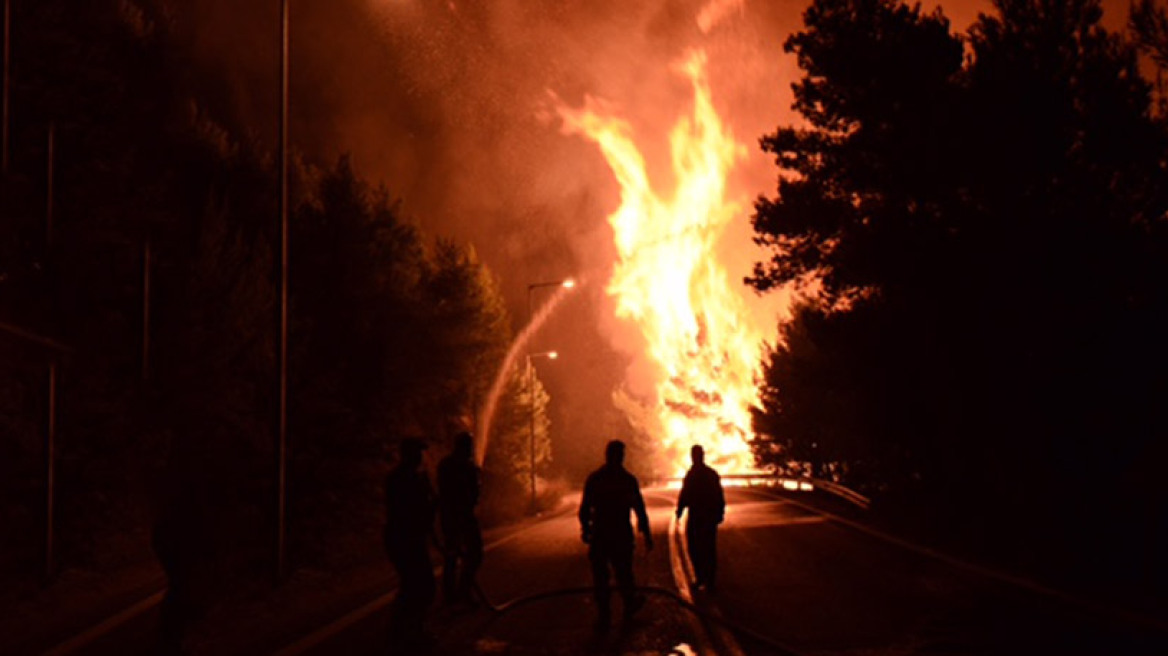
567,283
282,420
531,401
551,355
146,311
51,430
59,350
4,86
531,420
51,146
50,474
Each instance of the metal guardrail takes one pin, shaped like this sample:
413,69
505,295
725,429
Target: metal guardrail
35,338
844,493
793,483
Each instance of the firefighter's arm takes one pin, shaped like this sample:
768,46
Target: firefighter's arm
585,514
643,518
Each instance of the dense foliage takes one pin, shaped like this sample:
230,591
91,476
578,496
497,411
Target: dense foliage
392,333
984,219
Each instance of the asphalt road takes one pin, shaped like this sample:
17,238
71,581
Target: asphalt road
539,574
791,580
819,586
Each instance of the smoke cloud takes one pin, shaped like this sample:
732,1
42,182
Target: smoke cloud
449,104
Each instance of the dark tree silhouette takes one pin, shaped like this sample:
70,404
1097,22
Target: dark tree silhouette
989,237
1149,22
392,333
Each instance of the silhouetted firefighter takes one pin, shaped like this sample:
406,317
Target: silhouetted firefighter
183,538
458,494
701,492
610,493
176,541
409,527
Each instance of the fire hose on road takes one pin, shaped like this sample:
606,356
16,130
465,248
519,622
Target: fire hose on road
703,614
680,559
648,590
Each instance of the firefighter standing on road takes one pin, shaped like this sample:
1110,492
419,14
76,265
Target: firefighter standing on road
610,494
458,494
409,528
701,492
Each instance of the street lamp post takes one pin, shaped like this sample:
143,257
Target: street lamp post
4,86
551,355
282,210
567,283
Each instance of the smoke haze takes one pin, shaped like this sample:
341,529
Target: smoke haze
449,104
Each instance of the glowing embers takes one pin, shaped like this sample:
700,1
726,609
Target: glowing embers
667,279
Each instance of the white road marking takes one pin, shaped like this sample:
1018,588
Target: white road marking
760,521
1098,609
682,568
109,624
331,629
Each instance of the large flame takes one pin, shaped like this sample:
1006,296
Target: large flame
668,281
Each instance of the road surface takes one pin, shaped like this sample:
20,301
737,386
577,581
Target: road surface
820,586
792,580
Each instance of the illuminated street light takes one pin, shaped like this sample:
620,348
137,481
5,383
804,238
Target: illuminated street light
551,355
566,283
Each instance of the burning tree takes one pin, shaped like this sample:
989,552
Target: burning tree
668,283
